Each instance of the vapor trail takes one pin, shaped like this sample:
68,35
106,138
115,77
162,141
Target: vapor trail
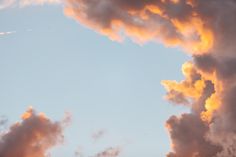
7,33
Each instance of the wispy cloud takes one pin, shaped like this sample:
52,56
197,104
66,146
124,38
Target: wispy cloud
7,33
23,3
109,152
98,134
6,4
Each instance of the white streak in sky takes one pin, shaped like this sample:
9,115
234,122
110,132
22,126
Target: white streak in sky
7,33
5,4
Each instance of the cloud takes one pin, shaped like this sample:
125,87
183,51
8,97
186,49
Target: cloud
206,29
5,4
33,136
24,3
98,134
109,152
175,23
3,120
7,33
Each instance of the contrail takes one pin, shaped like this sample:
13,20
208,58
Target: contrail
5,4
7,33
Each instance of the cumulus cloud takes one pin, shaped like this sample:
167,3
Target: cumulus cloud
174,23
205,29
33,136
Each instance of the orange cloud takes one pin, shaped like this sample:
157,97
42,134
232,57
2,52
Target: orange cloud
34,136
145,21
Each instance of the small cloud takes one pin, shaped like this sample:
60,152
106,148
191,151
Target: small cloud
79,152
98,134
109,152
3,120
33,136
67,119
6,4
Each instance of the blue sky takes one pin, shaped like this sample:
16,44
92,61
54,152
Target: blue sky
56,65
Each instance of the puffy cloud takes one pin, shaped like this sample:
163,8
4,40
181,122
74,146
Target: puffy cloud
33,136
188,90
188,137
173,22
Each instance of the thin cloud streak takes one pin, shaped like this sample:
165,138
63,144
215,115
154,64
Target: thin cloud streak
7,33
6,4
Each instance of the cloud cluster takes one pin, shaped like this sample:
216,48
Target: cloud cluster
36,134
204,28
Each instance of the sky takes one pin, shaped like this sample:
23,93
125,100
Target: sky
57,66
117,78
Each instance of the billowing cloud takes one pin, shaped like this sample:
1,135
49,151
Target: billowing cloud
204,28
33,136
175,23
